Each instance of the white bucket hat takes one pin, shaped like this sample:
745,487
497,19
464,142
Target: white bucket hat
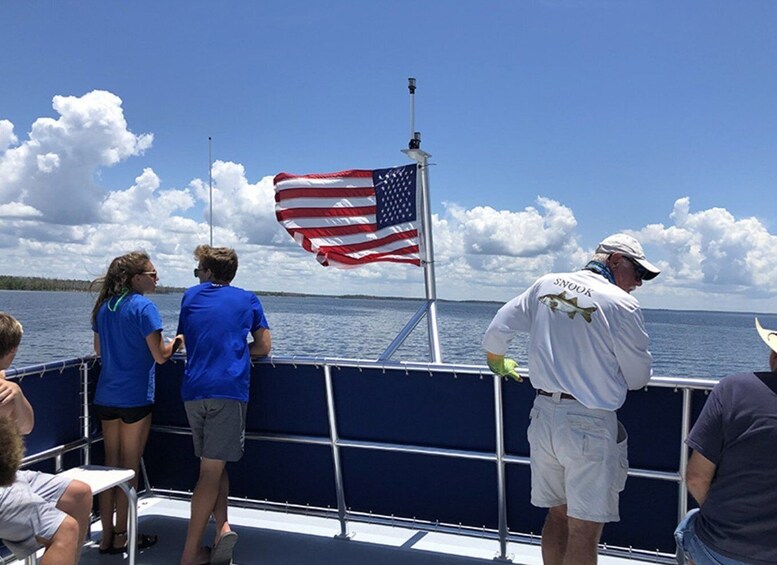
630,247
769,336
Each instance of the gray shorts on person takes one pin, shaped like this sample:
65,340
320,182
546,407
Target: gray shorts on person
28,509
218,428
578,457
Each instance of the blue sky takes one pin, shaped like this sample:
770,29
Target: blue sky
551,124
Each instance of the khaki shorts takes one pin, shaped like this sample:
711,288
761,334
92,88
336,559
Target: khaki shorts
576,459
28,509
218,428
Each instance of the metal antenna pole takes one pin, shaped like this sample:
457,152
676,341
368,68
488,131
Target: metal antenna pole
210,184
411,88
421,157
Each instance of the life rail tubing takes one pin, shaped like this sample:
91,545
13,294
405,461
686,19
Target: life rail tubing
305,453
61,438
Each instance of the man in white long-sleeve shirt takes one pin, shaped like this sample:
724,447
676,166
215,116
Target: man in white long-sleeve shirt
587,347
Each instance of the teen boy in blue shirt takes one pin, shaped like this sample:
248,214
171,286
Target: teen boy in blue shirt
215,321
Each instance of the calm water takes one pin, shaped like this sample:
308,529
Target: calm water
684,344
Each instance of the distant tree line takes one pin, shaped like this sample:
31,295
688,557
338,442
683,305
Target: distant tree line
41,283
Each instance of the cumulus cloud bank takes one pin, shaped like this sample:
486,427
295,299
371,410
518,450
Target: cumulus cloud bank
53,170
526,233
712,250
57,220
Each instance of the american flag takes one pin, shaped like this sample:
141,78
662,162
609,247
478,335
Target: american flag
353,217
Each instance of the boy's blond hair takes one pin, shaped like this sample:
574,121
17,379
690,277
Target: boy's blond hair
10,333
11,451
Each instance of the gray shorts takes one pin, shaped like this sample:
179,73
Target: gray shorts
578,458
28,509
218,428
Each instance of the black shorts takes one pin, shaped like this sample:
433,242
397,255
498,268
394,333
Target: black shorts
127,415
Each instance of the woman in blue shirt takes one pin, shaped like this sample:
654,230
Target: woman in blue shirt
128,337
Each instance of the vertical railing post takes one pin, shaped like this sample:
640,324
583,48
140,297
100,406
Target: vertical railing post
500,470
682,503
146,482
84,368
334,438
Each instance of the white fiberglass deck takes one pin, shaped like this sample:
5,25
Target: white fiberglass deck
274,538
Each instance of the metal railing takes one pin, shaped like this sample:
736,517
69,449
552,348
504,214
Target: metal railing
335,443
57,452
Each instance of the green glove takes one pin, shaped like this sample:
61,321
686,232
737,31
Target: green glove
505,367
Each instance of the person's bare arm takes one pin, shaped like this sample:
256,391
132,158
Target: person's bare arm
262,344
160,350
699,475
97,343
14,405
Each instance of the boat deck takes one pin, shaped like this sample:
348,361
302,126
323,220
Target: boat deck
275,538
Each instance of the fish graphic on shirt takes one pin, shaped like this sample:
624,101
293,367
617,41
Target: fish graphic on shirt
560,302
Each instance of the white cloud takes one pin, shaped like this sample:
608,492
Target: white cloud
713,251
18,210
515,234
7,137
48,163
144,203
492,253
53,170
245,208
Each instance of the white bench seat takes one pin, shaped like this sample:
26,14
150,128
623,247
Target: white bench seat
99,479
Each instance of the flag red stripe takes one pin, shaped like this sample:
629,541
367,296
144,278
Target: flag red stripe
370,244
288,193
358,173
346,260
341,251
324,212
361,246
333,231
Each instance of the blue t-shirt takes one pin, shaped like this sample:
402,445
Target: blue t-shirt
127,375
215,322
737,431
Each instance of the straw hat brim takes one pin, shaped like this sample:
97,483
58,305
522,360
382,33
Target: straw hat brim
769,336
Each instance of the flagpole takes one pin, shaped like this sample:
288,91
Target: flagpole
210,184
421,157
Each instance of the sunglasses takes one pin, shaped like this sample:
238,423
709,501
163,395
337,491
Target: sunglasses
150,274
639,271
